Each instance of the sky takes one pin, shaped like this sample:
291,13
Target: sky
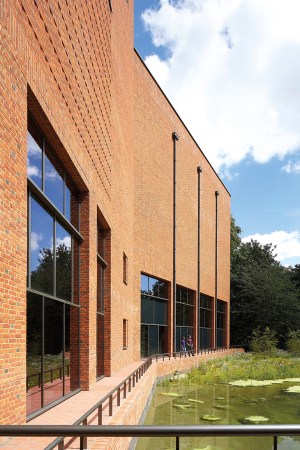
231,69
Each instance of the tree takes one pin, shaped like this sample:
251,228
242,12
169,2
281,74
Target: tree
263,293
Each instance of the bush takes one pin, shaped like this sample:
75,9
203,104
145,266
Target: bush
293,343
263,342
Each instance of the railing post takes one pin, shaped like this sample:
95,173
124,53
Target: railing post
83,439
177,442
124,390
133,380
100,415
118,397
111,405
275,443
129,384
61,446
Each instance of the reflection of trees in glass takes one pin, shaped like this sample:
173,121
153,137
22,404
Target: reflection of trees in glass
42,276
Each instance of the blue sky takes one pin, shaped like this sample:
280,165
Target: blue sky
231,69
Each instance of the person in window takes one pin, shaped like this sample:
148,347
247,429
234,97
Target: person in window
183,344
190,346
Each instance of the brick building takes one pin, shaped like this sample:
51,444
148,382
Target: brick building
115,229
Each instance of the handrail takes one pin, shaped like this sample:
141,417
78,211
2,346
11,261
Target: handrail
184,354
39,375
177,431
131,380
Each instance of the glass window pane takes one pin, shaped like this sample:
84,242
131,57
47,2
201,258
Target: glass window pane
53,357
147,310
54,185
153,340
161,312
71,348
163,339
162,289
144,284
63,252
153,287
34,352
41,248
34,160
144,341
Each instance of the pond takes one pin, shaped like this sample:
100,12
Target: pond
231,404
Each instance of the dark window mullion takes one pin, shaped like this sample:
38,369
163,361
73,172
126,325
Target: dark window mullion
64,346
72,269
54,256
43,164
43,352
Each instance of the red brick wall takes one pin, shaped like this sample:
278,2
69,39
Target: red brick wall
155,121
72,64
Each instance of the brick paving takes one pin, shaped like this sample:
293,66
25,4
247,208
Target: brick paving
67,412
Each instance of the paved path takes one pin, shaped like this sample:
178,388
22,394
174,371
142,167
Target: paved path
67,412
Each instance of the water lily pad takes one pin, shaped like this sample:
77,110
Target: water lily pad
211,418
292,380
254,419
248,383
194,400
220,407
171,394
250,400
220,398
183,407
293,389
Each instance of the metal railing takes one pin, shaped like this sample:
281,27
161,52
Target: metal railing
105,402
184,354
176,431
39,375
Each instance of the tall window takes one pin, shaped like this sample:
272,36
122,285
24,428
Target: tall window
185,303
154,316
205,322
101,279
52,278
221,323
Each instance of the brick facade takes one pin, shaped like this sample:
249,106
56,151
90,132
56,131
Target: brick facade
73,67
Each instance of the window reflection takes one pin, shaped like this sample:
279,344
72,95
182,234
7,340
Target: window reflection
205,324
53,357
154,311
34,160
34,353
71,348
54,185
41,248
184,314
63,263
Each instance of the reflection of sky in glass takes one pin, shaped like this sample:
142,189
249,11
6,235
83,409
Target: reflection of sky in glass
54,185
34,161
62,236
152,282
63,263
144,283
41,233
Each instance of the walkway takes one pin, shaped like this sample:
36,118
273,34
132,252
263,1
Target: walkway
72,409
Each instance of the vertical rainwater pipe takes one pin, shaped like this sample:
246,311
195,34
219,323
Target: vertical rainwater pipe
216,268
175,139
197,305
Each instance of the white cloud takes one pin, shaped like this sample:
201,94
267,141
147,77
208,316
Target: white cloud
66,241
33,171
35,239
232,75
292,167
287,244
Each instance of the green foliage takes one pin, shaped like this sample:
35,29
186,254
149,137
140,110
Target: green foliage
293,343
263,341
244,366
263,292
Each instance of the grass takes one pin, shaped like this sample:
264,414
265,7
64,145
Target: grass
243,366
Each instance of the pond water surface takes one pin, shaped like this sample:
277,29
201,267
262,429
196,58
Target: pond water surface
229,403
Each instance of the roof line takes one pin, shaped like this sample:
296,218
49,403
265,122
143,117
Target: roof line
197,145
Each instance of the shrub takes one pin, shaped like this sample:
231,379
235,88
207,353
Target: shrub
293,343
263,342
